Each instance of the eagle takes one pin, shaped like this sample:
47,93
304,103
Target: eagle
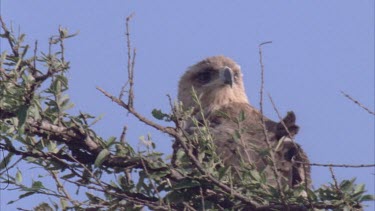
218,84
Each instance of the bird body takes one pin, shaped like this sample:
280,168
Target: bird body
240,132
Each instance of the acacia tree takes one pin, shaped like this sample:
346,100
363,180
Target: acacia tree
37,129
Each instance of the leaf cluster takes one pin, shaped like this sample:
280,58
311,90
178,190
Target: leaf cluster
36,128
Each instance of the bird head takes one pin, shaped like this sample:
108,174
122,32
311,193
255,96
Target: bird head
216,80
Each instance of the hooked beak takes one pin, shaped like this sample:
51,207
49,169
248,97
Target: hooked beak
226,76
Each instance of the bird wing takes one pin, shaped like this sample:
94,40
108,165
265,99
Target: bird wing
239,137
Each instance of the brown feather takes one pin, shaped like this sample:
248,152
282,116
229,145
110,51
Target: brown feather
239,140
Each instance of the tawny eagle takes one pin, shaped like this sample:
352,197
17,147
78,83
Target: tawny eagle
218,83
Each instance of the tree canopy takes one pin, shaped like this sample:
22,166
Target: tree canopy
37,128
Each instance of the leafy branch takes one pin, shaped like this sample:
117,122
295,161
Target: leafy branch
37,128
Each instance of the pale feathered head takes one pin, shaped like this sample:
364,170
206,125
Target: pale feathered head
217,81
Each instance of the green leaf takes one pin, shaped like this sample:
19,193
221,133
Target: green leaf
359,188
52,146
368,198
43,207
312,194
186,184
18,177
5,162
101,157
255,175
111,140
64,103
94,199
22,116
97,119
158,114
37,185
236,136
223,171
64,203
68,176
26,194
241,116
347,185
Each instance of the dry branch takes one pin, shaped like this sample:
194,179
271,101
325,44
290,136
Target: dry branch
263,123
358,103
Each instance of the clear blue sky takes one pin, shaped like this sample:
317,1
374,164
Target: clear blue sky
318,49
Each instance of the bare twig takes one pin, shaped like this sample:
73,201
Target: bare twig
267,140
131,81
339,165
62,190
123,135
131,63
358,103
337,188
280,117
306,186
167,130
34,58
304,166
262,74
202,198
188,207
7,168
10,39
152,182
62,47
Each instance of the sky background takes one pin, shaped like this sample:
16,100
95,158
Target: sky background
319,49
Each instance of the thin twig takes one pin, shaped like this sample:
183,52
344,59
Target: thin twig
358,103
152,182
98,181
130,67
337,188
7,168
295,145
339,165
131,80
306,186
262,74
34,58
271,150
280,118
188,206
62,190
10,39
305,176
202,199
62,47
123,135
167,130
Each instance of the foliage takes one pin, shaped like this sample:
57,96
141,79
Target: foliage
37,129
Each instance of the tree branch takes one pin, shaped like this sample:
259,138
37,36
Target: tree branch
358,103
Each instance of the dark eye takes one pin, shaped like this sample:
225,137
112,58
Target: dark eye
236,76
204,77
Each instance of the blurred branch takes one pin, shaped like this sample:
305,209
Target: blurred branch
339,165
61,189
9,37
358,103
140,117
265,132
335,181
131,64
